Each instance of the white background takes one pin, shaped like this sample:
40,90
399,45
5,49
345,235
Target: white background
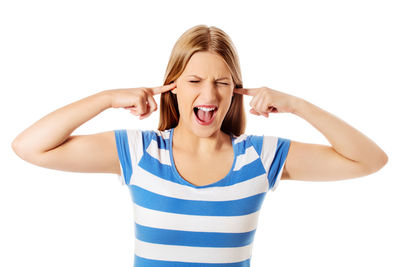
342,56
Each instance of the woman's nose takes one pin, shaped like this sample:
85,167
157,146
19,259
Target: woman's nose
209,90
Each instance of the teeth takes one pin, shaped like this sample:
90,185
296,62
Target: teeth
205,109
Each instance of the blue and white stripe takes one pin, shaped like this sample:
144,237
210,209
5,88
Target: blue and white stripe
181,224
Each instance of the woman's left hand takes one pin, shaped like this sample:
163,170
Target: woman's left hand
266,100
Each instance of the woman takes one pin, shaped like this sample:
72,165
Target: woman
198,182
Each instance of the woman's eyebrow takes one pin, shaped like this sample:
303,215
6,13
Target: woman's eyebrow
223,78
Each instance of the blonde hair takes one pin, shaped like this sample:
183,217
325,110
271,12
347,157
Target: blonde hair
195,39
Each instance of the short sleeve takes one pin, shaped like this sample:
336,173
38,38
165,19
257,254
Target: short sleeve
130,148
273,152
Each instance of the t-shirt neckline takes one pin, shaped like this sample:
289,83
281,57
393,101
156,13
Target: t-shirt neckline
220,182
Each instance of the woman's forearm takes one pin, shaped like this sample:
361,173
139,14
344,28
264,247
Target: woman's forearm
53,129
345,139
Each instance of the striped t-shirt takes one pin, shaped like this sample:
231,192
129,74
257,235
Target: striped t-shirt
180,224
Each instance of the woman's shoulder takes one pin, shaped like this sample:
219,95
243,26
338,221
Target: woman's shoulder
149,132
146,138
248,138
149,136
256,141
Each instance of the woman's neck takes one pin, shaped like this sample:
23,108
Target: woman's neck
185,139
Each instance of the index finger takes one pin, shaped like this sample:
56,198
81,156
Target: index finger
245,91
162,89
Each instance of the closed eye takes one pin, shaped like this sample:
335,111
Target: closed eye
219,82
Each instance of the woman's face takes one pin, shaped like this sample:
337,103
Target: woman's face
206,80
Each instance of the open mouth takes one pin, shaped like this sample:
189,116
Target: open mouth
205,116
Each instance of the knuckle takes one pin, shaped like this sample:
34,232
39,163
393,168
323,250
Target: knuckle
141,92
137,98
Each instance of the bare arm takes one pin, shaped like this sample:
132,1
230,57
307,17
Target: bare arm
352,154
54,129
345,139
48,142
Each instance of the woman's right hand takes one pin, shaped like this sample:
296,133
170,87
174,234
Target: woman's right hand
140,100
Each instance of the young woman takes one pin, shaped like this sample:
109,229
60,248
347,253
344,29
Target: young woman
198,181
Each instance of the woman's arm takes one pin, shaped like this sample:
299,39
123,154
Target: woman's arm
345,140
48,143
352,154
53,129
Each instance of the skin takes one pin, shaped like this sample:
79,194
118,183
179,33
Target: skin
49,142
352,154
207,89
